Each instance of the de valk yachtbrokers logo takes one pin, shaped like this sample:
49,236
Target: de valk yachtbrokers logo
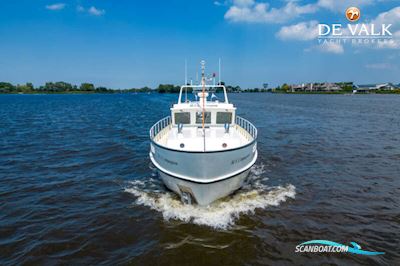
353,14
354,33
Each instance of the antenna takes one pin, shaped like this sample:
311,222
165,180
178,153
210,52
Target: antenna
185,72
202,67
219,71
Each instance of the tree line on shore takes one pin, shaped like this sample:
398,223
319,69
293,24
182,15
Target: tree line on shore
65,87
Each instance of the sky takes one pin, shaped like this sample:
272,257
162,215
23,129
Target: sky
131,43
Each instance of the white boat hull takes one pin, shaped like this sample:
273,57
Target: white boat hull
204,176
204,194
203,167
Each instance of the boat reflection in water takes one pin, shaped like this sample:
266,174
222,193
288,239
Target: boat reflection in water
203,151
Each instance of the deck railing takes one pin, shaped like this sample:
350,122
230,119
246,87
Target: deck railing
247,126
159,126
249,130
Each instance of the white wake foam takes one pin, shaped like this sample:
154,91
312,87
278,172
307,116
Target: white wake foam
220,214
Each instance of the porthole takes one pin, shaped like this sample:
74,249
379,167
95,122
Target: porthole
224,145
182,145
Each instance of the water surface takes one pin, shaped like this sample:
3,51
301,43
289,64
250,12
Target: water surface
77,186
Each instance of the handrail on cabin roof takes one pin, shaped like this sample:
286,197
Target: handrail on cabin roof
201,87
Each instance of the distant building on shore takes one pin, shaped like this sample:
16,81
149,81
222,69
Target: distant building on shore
342,86
366,88
316,87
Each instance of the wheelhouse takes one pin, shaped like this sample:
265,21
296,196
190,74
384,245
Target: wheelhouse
190,113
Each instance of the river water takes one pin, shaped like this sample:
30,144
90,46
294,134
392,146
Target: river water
77,185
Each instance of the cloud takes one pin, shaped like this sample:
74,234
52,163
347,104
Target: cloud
221,3
251,11
302,31
57,6
331,47
341,5
96,12
305,31
91,10
80,8
327,47
390,17
394,43
379,66
243,3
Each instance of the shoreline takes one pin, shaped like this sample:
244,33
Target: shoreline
155,92
62,87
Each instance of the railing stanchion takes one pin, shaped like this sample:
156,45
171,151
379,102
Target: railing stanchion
246,127
159,126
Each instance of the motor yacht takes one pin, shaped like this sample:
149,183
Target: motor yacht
203,151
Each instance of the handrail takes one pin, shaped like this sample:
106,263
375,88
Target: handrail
200,86
244,124
159,126
247,126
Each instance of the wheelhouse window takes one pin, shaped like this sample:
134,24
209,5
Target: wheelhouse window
182,118
207,117
224,117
